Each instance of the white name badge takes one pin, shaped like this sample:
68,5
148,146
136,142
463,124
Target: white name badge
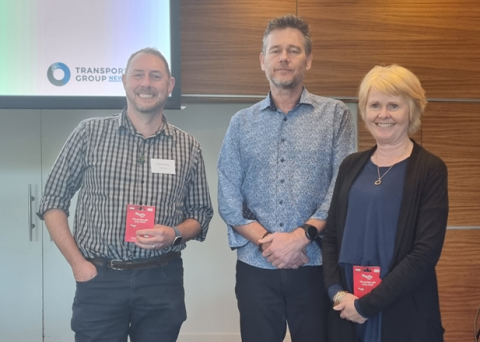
163,166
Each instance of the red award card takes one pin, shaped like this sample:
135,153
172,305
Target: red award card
138,217
365,279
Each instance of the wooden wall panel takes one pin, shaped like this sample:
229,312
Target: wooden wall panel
221,43
458,277
452,131
438,40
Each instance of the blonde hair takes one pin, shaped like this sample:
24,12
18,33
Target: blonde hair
398,81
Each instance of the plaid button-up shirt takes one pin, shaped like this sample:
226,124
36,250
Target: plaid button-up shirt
101,158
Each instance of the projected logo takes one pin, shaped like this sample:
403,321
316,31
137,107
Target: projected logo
51,74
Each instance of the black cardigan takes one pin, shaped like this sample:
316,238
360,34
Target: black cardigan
408,295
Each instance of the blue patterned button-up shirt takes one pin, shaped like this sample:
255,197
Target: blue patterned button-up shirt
282,168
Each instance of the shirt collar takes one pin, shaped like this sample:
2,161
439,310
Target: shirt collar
305,98
124,122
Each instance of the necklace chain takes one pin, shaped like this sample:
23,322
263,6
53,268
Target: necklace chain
141,157
379,180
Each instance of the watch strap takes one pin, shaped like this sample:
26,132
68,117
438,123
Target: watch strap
177,231
178,236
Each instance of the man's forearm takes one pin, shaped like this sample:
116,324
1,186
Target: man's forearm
57,225
252,232
319,224
189,229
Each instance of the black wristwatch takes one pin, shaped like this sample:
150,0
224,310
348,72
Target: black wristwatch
311,232
178,237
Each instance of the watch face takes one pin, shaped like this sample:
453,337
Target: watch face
311,232
177,240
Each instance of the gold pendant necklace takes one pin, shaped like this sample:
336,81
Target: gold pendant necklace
379,180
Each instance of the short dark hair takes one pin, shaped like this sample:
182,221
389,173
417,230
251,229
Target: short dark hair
151,51
289,21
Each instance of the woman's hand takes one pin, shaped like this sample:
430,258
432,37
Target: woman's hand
348,310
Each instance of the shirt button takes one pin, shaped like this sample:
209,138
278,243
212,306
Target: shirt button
282,160
283,140
281,202
284,119
282,180
281,224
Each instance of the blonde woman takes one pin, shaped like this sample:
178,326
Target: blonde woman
387,222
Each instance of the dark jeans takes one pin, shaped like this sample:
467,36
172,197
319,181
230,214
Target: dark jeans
147,305
269,299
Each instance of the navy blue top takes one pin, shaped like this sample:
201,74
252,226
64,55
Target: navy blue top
370,229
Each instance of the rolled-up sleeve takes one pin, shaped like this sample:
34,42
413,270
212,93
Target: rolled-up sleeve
66,175
198,203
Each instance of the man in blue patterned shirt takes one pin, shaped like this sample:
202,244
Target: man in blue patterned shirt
277,170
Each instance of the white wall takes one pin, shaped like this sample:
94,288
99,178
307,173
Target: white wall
210,265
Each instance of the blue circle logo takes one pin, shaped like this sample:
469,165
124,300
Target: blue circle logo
66,74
